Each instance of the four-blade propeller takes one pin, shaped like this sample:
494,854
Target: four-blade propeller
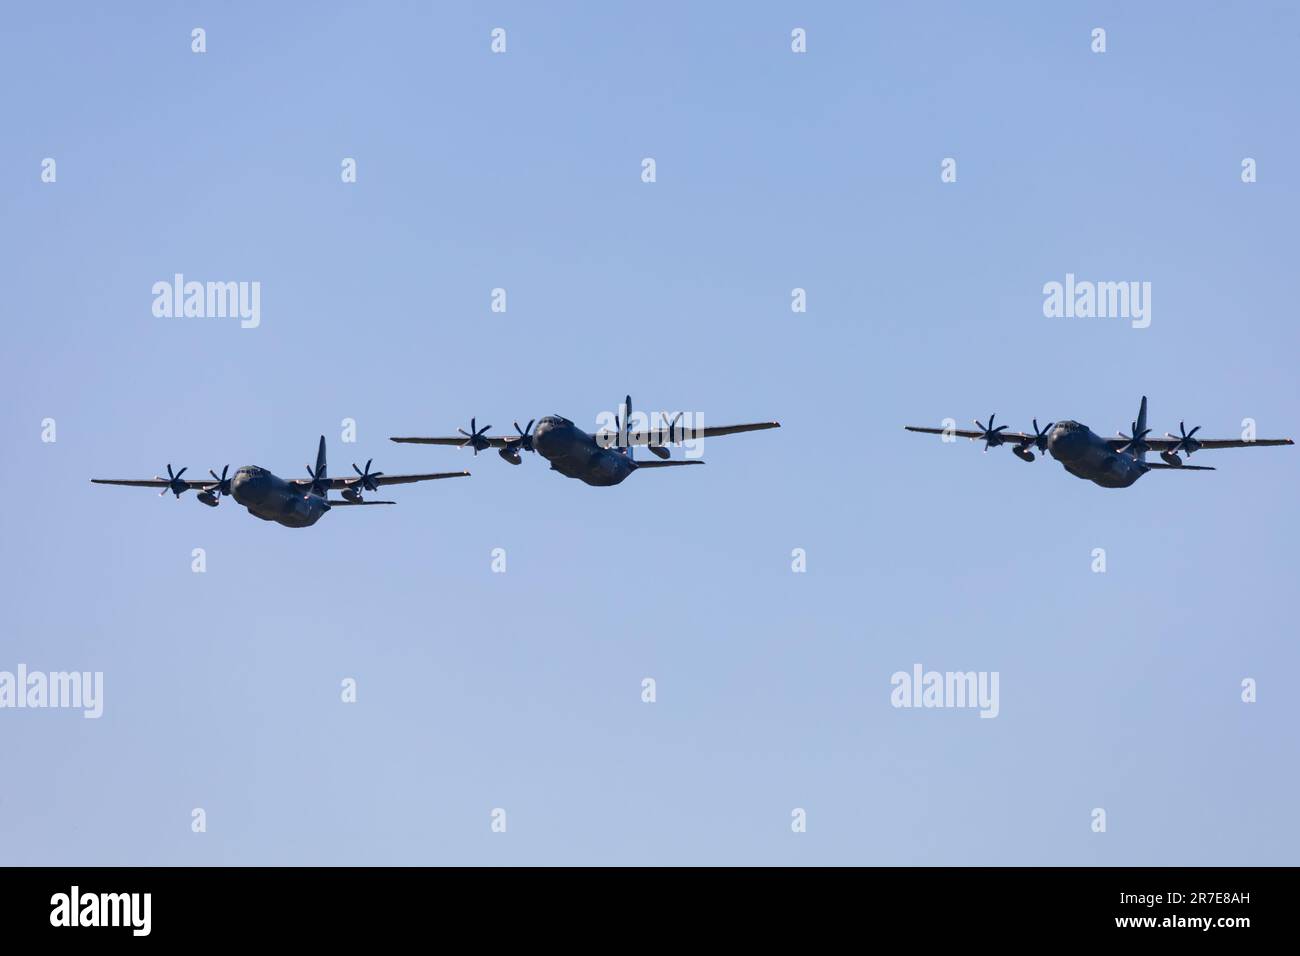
367,479
221,485
667,436
525,435
1039,440
669,433
992,436
1186,443
319,483
1135,444
475,437
211,494
174,483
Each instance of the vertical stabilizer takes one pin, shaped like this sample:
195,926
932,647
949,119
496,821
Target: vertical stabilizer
319,477
1140,430
625,427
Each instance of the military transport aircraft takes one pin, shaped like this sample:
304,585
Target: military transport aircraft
1109,462
292,502
605,458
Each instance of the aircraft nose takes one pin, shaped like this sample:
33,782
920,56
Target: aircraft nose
1062,442
541,434
240,481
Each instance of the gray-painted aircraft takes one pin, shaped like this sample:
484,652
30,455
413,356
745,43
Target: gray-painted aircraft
1109,462
605,458
292,502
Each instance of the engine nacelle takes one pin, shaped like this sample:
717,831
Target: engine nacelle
1171,459
351,494
1024,454
659,451
209,499
510,455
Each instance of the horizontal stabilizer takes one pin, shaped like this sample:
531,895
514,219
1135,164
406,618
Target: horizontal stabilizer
668,464
343,503
1154,464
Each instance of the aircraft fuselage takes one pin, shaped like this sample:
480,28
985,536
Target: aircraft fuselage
576,454
1087,455
273,499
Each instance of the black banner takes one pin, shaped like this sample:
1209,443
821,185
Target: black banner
336,904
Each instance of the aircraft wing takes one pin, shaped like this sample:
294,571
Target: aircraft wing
402,479
1165,444
1010,438
338,484
195,484
502,442
679,433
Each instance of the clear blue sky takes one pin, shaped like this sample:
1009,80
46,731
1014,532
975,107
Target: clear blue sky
522,691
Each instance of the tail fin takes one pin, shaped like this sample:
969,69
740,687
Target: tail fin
625,428
1140,426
